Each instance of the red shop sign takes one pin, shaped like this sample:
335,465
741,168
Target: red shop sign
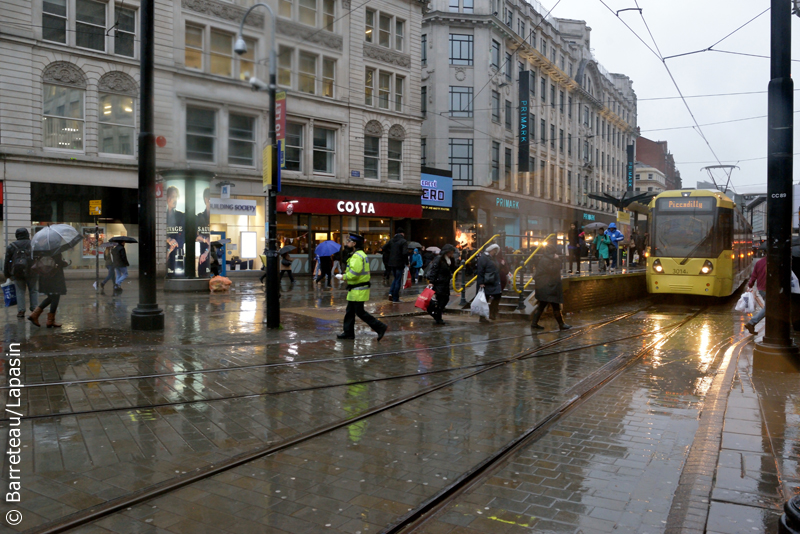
332,206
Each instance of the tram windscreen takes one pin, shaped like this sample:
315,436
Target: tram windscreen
685,227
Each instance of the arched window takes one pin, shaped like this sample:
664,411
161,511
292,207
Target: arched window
117,114
63,106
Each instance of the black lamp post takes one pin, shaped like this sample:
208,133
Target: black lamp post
147,315
273,284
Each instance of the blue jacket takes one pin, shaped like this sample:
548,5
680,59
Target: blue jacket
615,235
416,260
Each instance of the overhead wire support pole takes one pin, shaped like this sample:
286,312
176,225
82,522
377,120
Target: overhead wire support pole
777,339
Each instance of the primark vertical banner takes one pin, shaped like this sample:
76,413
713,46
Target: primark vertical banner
524,140
629,169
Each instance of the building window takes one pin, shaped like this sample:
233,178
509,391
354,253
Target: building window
90,24
521,28
285,8
638,177
201,133
533,83
495,54
569,107
62,117
328,14
543,89
544,47
454,6
650,176
372,152
247,61
423,100
542,131
54,21
384,89
395,160
125,31
241,139
399,83
569,144
552,95
369,32
221,54
324,149
384,30
328,77
561,101
369,84
461,160
307,73
509,17
423,152
508,66
469,6
460,101
561,141
399,33
495,106
508,167
552,136
285,66
460,49
532,127
424,49
293,153
508,114
495,162
117,128
308,12
193,53
391,30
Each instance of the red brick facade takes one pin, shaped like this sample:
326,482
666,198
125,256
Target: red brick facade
656,154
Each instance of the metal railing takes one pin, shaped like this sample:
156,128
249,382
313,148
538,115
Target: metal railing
542,243
477,252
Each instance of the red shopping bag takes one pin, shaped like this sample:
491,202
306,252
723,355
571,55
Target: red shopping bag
424,299
406,279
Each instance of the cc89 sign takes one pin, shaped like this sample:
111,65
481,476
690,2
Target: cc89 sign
432,194
437,189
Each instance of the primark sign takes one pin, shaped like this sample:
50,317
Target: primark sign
522,111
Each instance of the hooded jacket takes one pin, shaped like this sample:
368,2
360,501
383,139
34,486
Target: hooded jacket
23,241
615,235
489,274
441,272
548,278
398,251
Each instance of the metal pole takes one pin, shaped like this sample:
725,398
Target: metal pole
777,336
463,301
147,315
96,255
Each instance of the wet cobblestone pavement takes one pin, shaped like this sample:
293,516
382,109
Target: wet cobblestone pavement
354,437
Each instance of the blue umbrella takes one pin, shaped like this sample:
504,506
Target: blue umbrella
327,248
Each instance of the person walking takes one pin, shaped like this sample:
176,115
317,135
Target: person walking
51,283
357,277
325,267
759,279
416,265
17,267
489,280
616,238
398,260
574,248
549,289
286,268
111,272
603,243
439,274
120,259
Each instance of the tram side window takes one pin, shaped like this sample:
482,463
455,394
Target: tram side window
725,230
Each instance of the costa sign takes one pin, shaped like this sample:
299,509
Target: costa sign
334,206
355,207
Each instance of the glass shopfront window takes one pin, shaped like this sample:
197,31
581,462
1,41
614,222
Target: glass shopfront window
241,255
376,232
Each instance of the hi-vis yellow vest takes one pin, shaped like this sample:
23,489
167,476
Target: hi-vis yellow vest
357,273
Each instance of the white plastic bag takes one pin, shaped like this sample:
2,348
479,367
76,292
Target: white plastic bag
745,303
480,306
795,283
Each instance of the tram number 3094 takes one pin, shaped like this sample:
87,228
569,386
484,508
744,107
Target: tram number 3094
679,271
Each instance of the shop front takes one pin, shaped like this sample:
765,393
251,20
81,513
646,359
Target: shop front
308,216
437,226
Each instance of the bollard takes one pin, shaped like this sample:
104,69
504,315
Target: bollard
521,304
790,520
463,286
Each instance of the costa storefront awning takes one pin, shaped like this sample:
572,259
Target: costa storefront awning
348,202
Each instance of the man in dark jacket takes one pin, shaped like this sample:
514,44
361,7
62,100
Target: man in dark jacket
549,290
120,265
398,259
489,280
23,278
574,247
439,275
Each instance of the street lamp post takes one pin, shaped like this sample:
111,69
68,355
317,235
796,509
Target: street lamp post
273,285
147,315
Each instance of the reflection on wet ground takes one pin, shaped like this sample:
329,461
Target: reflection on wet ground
617,462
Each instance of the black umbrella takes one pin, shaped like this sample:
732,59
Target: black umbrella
221,242
123,239
287,248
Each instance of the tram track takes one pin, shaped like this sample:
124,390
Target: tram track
154,406
147,493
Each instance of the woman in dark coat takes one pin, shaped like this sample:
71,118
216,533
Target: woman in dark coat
489,279
549,289
53,285
439,274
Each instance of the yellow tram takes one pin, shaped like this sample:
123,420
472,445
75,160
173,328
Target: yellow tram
700,244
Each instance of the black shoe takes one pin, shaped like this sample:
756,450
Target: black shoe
750,328
564,326
537,327
344,336
439,321
382,331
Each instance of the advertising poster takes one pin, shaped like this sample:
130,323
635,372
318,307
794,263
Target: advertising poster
90,244
203,239
176,220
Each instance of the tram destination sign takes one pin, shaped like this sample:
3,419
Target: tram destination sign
685,204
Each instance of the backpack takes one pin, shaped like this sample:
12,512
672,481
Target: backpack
44,266
20,261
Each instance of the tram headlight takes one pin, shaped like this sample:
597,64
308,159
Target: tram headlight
707,267
657,266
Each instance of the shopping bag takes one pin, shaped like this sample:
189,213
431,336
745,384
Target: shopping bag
758,300
9,294
480,306
795,283
219,284
424,299
406,279
745,303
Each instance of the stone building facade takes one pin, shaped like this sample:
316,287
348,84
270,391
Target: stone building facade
496,76
69,114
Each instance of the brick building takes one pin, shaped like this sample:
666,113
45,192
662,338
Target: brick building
656,154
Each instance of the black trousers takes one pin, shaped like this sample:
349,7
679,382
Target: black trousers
437,307
575,257
356,309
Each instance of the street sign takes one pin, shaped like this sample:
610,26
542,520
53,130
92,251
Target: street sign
225,191
95,208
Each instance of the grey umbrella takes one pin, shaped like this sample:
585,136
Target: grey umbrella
122,239
414,244
55,239
595,226
287,248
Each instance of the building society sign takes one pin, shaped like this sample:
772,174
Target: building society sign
230,206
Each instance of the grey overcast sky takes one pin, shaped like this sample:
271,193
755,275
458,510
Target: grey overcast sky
681,26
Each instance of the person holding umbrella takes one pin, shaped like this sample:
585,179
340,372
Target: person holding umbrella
47,246
120,258
325,252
